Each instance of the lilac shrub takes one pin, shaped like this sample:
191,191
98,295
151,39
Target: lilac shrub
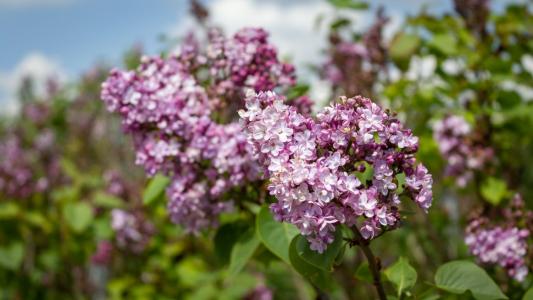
180,112
315,167
505,243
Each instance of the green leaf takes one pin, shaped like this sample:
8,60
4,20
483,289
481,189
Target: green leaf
242,251
528,295
324,260
402,275
37,219
316,276
276,236
155,189
11,256
459,276
107,200
402,47
352,4
363,273
445,43
8,210
78,216
494,190
226,236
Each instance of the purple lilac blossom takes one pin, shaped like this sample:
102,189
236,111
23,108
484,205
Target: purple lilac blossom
16,175
181,113
503,242
132,230
314,166
25,171
454,139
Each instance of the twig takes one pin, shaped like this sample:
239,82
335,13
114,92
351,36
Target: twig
373,263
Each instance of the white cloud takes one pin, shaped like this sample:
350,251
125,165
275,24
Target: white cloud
35,65
291,24
33,3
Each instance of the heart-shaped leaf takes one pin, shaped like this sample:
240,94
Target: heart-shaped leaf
242,251
459,276
402,275
324,261
316,276
276,236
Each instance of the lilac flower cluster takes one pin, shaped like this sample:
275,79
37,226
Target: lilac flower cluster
16,175
25,171
132,230
316,167
181,110
454,137
505,243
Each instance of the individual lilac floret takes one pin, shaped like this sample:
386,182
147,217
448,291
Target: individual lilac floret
181,113
455,141
503,242
132,230
316,167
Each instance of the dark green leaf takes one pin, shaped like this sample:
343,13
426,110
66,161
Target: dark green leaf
445,43
459,276
107,200
78,216
276,236
242,251
155,189
494,190
528,295
316,276
226,236
11,256
324,261
402,275
363,273
402,47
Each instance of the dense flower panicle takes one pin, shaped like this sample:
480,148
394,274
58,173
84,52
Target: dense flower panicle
25,171
316,167
454,138
503,241
16,175
132,230
181,113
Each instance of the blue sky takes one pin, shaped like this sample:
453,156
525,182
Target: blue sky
79,32
43,37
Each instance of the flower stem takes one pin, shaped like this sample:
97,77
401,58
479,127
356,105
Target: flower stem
373,263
